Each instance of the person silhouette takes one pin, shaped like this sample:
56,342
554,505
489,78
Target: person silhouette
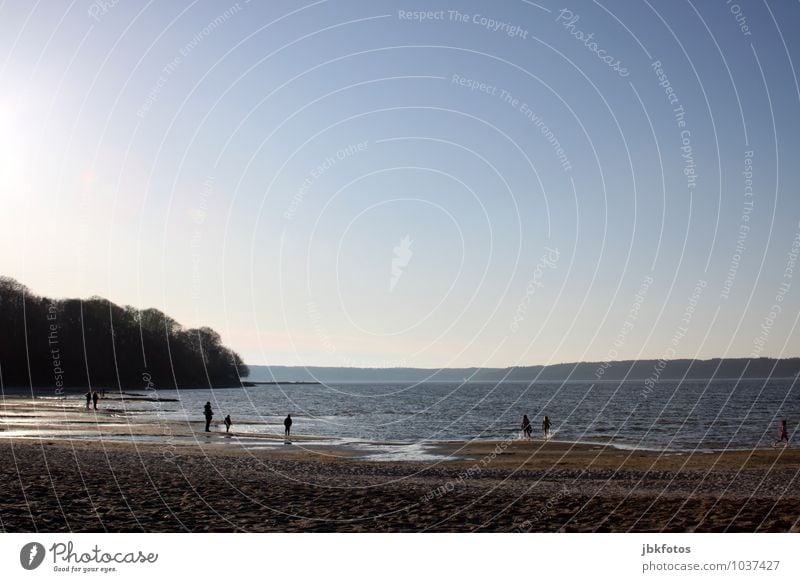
527,429
288,424
228,423
782,435
95,398
209,414
546,427
88,399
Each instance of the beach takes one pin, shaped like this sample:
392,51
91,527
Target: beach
176,478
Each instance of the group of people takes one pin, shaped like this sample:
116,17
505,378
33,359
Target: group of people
209,414
527,429
92,396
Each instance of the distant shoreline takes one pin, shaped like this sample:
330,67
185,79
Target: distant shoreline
248,383
650,371
620,370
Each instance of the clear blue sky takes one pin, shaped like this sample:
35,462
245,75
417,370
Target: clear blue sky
345,183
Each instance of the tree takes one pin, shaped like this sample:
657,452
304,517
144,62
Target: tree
97,343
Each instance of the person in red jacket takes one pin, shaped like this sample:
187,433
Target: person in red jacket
782,435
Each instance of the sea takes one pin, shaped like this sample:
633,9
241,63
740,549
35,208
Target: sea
688,415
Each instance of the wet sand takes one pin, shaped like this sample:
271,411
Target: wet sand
190,481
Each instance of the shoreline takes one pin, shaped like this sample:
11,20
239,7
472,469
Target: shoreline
58,418
117,470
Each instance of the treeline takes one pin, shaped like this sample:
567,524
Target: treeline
96,343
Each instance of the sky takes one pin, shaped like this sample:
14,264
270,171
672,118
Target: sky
429,184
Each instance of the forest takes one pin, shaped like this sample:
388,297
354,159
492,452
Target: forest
94,343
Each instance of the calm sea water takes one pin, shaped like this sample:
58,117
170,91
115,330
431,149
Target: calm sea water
681,416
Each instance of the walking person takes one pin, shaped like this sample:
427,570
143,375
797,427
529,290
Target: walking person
209,414
287,423
95,398
88,399
782,435
527,429
228,423
546,427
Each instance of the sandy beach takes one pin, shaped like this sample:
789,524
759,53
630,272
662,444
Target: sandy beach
181,479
